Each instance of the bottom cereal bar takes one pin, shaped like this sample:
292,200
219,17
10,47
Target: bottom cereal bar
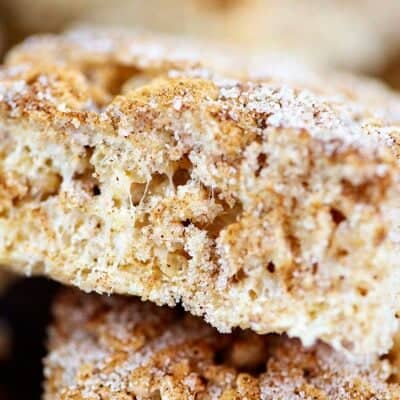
118,348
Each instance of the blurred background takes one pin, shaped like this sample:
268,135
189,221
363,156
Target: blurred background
362,36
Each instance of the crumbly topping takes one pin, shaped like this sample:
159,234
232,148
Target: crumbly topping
334,113
327,118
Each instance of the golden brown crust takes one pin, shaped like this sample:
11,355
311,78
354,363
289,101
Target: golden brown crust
269,204
118,348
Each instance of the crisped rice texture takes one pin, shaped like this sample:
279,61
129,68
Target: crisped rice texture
141,165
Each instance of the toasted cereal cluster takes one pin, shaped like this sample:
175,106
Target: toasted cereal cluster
141,165
120,348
